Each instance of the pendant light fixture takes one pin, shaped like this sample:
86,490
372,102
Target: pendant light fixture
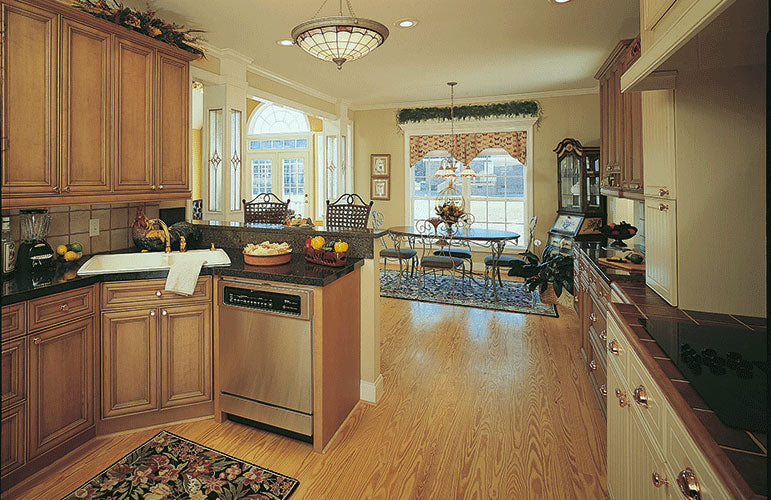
339,39
449,166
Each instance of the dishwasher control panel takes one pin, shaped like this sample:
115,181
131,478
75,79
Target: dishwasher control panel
263,300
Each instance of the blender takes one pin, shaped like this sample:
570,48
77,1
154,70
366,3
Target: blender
34,253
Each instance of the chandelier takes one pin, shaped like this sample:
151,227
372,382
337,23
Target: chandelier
339,38
449,166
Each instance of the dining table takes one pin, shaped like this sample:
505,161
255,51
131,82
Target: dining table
493,239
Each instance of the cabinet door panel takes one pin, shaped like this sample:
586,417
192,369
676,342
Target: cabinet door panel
29,124
645,460
133,117
173,125
186,371
14,372
129,362
12,444
618,437
61,386
658,108
86,113
14,320
661,248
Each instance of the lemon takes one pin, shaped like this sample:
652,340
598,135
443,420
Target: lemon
61,249
71,256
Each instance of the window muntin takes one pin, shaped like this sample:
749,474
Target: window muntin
293,170
262,177
272,144
273,119
235,159
215,160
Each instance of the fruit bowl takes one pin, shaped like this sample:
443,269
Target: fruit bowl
267,260
618,233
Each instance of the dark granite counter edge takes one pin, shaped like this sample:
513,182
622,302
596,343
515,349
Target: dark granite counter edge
329,275
740,474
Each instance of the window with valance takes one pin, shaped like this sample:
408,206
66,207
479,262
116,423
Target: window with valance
469,146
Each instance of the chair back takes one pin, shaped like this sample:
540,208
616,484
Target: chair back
377,224
266,208
345,213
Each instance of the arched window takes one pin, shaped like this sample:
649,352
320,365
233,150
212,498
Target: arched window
272,119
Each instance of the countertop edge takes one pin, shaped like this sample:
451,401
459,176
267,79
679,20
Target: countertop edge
701,436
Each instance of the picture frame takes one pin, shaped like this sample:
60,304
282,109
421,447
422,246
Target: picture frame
380,188
380,165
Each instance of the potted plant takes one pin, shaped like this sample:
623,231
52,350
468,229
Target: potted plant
556,271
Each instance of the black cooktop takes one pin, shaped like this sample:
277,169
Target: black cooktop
726,366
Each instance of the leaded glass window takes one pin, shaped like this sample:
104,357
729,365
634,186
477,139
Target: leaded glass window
215,160
235,159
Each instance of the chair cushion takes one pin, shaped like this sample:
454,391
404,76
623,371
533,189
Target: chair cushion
403,253
454,252
504,260
441,262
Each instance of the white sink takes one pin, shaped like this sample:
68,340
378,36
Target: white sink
147,261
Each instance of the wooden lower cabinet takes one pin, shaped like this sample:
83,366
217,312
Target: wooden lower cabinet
14,372
13,440
186,365
155,358
61,384
129,362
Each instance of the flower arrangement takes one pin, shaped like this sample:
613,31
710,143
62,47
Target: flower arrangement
144,22
449,211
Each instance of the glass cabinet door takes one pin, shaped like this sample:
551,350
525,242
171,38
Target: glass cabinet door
570,183
592,182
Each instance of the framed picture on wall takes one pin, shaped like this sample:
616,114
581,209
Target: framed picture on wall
381,189
380,165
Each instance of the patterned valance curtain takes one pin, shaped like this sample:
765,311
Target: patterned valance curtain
469,146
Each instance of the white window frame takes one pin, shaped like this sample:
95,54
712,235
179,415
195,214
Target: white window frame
435,127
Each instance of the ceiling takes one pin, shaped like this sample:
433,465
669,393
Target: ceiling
491,47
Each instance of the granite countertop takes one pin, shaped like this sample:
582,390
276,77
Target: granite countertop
595,251
19,286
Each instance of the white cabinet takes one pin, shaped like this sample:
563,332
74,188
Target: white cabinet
618,435
658,125
661,247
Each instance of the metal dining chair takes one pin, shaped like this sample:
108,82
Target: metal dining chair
510,261
464,222
429,238
408,255
345,213
266,208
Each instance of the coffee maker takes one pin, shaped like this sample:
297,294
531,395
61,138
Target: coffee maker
35,254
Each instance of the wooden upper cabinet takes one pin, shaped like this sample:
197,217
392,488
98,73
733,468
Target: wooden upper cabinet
133,113
173,122
85,108
29,121
61,384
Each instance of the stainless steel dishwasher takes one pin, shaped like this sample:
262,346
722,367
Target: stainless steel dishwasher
266,363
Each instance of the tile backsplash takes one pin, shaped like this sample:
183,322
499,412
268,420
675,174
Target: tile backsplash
70,225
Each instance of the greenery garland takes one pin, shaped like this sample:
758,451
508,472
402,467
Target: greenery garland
511,108
142,22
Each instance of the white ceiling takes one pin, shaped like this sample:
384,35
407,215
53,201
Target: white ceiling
491,47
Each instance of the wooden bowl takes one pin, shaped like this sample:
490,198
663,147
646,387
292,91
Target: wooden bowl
267,260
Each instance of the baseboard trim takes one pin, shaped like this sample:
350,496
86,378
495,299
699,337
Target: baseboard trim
371,392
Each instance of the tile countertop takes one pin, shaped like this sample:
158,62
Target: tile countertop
728,448
18,287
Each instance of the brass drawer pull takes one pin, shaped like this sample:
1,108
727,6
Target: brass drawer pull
63,307
613,347
619,393
623,403
663,192
36,340
592,365
604,390
641,396
659,481
592,317
689,485
603,336
663,207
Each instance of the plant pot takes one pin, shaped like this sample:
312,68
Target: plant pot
549,297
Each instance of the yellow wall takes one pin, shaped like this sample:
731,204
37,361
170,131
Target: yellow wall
281,90
196,162
376,131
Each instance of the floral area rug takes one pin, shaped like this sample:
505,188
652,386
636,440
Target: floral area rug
513,296
170,467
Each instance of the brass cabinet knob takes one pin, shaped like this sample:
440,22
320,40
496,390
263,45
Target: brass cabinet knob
158,293
663,192
620,393
592,365
163,312
152,313
641,396
603,336
152,187
663,207
66,189
56,189
63,307
575,299
613,347
622,402
659,481
604,390
36,340
160,187
689,485
592,317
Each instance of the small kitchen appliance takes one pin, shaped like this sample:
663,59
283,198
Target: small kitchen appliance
9,248
35,254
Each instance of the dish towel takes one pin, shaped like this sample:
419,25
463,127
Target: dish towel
183,274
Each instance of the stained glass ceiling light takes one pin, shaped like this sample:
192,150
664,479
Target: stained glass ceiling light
339,39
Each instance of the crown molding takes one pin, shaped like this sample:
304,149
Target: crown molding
292,84
477,100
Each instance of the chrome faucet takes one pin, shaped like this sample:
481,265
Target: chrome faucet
165,232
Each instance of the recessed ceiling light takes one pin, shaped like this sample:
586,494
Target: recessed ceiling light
285,43
560,1
407,23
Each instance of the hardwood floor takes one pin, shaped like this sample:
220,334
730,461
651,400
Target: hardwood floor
477,404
